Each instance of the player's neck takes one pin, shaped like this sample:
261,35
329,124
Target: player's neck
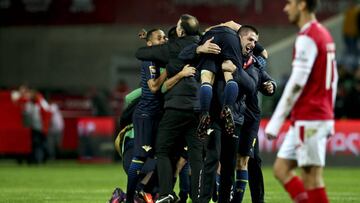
305,18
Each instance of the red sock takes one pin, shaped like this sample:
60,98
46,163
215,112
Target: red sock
318,195
295,188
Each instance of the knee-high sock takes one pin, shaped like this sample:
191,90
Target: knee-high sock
217,182
133,178
230,92
295,187
256,179
318,195
205,97
215,195
240,185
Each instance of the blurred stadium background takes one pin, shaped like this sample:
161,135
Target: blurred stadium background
79,54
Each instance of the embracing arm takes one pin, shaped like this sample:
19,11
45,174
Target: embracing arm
245,81
192,51
155,84
230,24
187,71
158,53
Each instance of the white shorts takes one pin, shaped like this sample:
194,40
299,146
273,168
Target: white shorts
305,142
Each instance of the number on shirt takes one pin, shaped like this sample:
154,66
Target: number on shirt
330,64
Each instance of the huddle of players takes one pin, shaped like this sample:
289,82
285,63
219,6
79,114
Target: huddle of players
201,109
213,115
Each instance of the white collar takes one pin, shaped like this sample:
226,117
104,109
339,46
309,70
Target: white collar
307,25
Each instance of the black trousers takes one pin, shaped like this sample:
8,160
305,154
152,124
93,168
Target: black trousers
177,124
219,147
39,151
256,180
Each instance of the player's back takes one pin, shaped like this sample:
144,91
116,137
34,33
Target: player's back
316,100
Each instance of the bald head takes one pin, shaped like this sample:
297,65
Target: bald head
187,25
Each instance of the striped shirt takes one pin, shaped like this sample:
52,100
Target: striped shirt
150,103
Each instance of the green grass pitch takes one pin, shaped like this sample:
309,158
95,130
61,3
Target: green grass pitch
70,182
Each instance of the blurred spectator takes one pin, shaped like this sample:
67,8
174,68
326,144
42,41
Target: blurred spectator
351,35
100,101
121,89
118,95
37,115
55,131
344,86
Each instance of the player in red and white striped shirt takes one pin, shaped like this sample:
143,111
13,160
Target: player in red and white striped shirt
309,97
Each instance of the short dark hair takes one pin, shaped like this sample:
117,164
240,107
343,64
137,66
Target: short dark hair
149,33
189,24
244,29
172,33
311,5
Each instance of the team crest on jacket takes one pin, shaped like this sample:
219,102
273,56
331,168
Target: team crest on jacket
146,148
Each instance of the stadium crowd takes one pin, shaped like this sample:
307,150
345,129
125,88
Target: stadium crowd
349,65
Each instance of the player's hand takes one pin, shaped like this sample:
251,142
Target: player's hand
270,136
228,66
188,71
208,47
269,87
142,34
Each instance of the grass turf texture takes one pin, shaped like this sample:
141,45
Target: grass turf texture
71,182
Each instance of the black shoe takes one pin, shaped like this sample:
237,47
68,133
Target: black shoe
215,196
227,115
170,198
203,126
183,196
143,197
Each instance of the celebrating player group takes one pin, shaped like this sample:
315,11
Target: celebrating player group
196,116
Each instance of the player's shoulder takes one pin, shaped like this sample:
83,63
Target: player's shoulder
146,64
316,31
318,28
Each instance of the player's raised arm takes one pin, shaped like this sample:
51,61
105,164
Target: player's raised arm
230,24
